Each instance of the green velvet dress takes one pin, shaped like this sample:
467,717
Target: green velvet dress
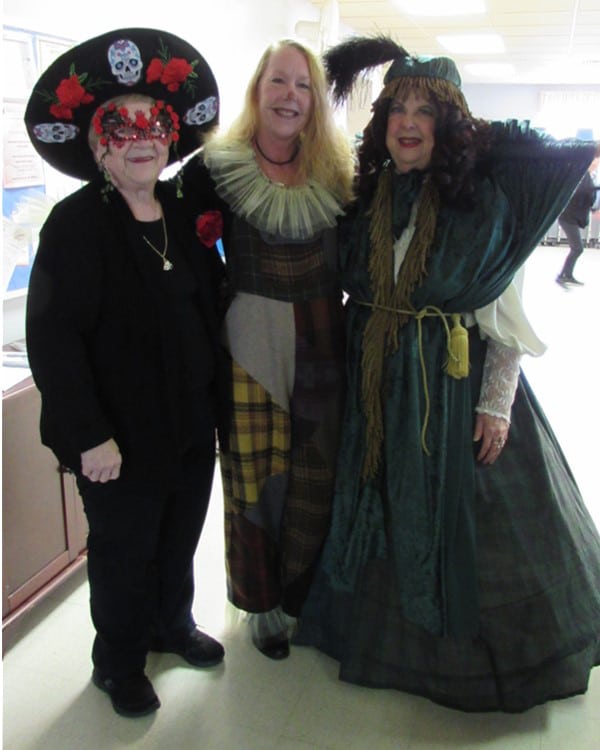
435,577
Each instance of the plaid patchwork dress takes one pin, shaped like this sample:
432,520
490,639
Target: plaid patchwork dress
284,333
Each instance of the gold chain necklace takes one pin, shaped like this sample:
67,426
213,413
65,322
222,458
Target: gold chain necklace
167,265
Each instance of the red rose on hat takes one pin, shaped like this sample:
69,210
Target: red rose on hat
171,74
154,70
70,94
175,73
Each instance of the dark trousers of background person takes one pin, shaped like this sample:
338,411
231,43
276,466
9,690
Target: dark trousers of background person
141,548
573,235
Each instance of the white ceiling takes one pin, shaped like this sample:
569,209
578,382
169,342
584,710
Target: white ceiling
547,41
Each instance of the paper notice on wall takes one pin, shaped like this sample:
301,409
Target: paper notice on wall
23,167
16,261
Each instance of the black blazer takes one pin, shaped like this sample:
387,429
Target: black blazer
100,333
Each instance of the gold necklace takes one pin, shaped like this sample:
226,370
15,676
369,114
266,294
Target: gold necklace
167,265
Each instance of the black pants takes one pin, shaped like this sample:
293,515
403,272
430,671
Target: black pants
573,235
141,547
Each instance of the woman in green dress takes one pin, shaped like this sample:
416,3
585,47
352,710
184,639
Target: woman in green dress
436,577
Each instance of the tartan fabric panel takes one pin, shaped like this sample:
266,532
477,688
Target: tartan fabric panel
253,580
307,512
295,269
259,441
285,271
277,501
259,447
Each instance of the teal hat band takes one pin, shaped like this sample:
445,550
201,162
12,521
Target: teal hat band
424,67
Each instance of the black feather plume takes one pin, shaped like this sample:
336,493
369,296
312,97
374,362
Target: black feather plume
346,60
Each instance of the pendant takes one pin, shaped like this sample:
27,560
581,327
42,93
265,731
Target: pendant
167,265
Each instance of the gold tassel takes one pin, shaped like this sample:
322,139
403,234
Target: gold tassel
458,350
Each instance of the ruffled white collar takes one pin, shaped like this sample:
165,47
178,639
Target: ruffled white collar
295,212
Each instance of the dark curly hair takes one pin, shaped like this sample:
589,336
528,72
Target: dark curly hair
460,143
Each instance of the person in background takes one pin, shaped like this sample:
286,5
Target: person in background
123,319
461,564
574,218
283,173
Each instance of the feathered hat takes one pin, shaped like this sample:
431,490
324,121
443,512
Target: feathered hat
143,61
355,56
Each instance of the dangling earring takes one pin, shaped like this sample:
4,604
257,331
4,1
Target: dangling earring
179,185
178,177
108,186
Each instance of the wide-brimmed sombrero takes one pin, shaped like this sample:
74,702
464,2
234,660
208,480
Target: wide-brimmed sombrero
125,61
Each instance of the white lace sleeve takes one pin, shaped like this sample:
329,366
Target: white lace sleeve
499,381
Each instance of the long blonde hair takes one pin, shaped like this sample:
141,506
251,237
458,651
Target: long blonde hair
326,155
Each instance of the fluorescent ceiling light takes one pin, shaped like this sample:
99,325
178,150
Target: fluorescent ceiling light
441,7
491,70
474,44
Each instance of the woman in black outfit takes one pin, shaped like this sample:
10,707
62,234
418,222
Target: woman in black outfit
122,332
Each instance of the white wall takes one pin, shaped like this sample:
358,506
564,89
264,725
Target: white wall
520,102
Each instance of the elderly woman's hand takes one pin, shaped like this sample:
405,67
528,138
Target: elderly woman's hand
102,463
493,433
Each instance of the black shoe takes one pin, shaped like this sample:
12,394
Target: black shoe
274,649
131,696
197,648
269,632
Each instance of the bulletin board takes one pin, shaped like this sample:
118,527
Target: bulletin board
30,187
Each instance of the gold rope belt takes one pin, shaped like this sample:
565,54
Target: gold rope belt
457,364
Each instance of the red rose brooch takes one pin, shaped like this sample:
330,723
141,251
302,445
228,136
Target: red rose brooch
209,227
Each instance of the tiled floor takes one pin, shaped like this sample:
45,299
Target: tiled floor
251,703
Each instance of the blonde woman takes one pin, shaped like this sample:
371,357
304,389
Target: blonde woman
283,174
